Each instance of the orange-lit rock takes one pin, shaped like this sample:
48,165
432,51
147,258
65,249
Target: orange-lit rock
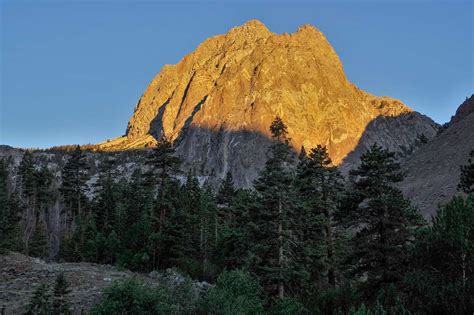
219,101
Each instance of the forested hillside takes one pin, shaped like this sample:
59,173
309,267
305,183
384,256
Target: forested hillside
303,240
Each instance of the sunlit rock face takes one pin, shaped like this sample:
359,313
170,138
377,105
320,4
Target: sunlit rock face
218,102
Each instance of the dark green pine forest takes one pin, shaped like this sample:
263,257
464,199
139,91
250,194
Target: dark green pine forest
303,240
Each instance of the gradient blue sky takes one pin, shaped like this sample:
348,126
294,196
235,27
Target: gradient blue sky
72,72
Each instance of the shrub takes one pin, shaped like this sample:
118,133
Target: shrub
133,296
236,292
288,306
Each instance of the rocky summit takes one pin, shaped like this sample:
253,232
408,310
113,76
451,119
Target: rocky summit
217,103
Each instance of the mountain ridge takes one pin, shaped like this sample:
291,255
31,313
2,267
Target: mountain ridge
433,171
236,83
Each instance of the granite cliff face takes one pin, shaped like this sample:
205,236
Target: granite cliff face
218,102
433,171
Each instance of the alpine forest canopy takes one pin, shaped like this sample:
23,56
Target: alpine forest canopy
303,240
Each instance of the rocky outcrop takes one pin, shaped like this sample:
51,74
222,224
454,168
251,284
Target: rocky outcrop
218,102
400,134
464,110
433,171
20,275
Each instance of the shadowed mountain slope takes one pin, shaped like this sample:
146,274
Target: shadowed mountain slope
433,170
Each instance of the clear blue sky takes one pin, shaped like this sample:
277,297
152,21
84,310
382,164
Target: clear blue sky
72,71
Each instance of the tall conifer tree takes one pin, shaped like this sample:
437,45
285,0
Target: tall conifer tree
164,165
10,212
73,186
273,251
105,200
383,219
320,185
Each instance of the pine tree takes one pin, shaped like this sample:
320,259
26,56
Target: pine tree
26,170
10,213
105,200
320,185
38,245
234,234
73,187
45,197
453,227
383,219
5,232
27,191
136,203
137,197
120,221
61,291
223,217
45,191
40,303
90,251
112,246
164,165
236,292
226,190
442,265
273,247
467,175
4,177
184,234
37,196
208,217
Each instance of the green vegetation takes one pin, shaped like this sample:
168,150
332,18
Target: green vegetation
136,297
236,292
45,303
466,183
40,303
303,241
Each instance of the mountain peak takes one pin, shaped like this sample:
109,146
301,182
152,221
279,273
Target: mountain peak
254,24
254,28
308,28
218,102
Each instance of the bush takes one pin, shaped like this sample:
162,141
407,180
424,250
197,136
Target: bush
133,296
332,300
288,306
40,302
236,292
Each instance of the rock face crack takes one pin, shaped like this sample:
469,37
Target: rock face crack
156,125
188,121
185,94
